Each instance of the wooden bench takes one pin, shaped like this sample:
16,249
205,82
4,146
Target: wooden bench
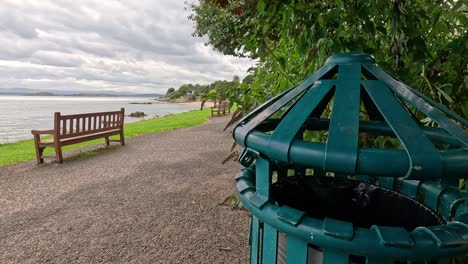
222,108
72,129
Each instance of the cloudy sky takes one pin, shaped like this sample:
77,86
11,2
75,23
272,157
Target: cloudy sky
128,45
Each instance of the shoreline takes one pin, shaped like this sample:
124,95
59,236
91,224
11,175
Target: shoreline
196,104
190,103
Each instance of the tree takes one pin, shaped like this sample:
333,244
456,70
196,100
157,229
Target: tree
212,95
421,42
169,91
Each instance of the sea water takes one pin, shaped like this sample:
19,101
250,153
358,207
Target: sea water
20,114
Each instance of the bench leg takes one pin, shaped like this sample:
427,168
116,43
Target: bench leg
107,141
39,157
122,139
39,150
58,154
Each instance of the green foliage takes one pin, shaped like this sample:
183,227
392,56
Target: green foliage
236,203
181,91
239,94
212,95
170,91
24,150
422,42
221,87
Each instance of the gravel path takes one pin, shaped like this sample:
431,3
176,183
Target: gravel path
155,200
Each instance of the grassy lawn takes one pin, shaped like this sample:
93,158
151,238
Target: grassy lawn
24,150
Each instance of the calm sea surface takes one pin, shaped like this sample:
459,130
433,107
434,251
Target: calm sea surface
20,114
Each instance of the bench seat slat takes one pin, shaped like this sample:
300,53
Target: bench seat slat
74,140
84,133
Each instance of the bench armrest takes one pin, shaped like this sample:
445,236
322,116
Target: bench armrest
42,132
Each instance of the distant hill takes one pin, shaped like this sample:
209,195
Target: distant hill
42,94
37,92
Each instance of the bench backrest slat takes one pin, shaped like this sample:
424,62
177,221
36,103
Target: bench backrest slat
70,128
63,126
78,124
67,126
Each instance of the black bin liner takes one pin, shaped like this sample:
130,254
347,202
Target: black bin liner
360,203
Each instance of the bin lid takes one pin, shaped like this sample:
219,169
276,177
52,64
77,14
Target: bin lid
331,121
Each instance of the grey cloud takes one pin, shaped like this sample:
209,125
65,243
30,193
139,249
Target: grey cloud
137,45
14,22
58,59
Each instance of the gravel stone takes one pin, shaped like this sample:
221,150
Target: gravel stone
155,200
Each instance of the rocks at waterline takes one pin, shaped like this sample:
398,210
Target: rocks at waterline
137,114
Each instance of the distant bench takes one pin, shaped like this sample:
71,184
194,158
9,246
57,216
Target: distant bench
72,129
221,108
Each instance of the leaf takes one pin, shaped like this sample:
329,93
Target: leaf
282,61
261,6
381,29
444,94
458,5
426,120
464,109
301,6
440,27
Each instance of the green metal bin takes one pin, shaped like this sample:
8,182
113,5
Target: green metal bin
334,197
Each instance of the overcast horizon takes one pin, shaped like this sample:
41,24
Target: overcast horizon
124,46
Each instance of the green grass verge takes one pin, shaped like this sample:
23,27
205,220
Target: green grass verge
12,153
